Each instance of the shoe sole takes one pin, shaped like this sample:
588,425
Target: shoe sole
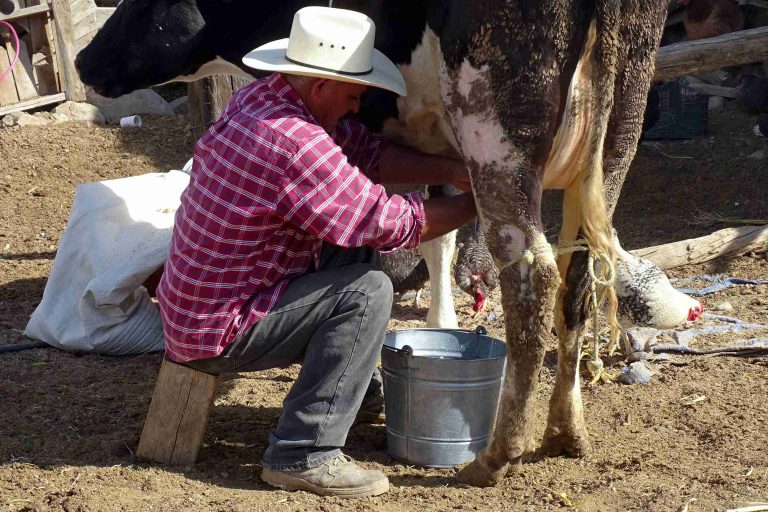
289,483
372,418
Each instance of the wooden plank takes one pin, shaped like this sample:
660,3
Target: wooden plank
30,104
53,56
22,72
731,49
38,41
83,40
8,94
83,36
726,242
24,22
65,46
81,9
29,41
24,12
709,89
102,13
36,27
175,425
84,28
45,78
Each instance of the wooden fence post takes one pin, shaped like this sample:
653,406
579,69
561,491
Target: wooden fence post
208,97
65,46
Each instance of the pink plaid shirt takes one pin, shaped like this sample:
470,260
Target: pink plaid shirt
267,187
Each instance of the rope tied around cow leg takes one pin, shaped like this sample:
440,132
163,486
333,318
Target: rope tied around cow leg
604,277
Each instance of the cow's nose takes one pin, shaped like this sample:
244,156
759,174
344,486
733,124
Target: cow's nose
79,63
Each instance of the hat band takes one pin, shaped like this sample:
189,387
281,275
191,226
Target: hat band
351,73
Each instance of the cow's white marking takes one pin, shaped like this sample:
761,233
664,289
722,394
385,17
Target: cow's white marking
217,66
483,140
481,136
423,124
574,395
515,245
467,77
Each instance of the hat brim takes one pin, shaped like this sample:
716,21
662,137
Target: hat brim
271,57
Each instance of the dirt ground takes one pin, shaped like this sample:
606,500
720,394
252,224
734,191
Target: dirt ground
69,424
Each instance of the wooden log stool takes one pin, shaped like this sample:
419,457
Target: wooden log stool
173,431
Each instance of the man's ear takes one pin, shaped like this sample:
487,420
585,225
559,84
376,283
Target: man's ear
318,87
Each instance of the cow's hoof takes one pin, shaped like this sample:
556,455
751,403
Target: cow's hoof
564,444
515,468
478,475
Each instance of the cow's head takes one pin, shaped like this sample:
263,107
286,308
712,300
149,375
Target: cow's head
151,42
143,43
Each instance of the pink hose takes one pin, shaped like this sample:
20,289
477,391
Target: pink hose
16,54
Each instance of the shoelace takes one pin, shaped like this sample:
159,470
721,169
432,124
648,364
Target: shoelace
342,458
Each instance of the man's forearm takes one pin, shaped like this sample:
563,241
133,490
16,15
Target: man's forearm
443,215
399,165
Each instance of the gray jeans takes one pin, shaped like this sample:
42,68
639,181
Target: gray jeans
333,321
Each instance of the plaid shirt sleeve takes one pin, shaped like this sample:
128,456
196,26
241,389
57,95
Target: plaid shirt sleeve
324,195
362,148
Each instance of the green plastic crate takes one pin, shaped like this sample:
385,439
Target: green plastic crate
683,113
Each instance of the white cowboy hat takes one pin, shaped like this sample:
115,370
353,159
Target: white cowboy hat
330,43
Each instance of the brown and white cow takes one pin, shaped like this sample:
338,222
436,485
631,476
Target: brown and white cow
532,95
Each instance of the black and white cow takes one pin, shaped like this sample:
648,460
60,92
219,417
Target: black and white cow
532,95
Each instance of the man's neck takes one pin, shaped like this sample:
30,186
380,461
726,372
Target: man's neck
300,86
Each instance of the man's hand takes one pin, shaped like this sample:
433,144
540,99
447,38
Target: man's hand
399,165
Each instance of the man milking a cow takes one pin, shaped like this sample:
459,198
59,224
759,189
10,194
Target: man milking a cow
273,259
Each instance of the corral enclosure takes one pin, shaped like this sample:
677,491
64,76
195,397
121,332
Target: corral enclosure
692,439
70,424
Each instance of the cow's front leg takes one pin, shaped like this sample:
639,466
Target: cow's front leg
529,282
438,254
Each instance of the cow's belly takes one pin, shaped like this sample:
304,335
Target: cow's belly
423,122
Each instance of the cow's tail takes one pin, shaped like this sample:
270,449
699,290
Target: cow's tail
579,142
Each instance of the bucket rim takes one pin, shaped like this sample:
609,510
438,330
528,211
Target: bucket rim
479,331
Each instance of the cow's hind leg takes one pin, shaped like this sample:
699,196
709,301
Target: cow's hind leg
618,127
529,282
566,433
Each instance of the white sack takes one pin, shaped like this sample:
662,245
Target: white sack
117,235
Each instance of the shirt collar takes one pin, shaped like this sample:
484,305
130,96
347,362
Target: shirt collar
286,92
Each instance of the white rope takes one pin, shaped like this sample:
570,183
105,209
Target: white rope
608,278
528,255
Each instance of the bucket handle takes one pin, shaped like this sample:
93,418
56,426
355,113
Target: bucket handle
482,331
406,358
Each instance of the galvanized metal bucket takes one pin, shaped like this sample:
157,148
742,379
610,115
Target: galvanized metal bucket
441,391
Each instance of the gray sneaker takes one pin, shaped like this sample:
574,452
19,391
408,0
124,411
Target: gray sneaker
337,477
